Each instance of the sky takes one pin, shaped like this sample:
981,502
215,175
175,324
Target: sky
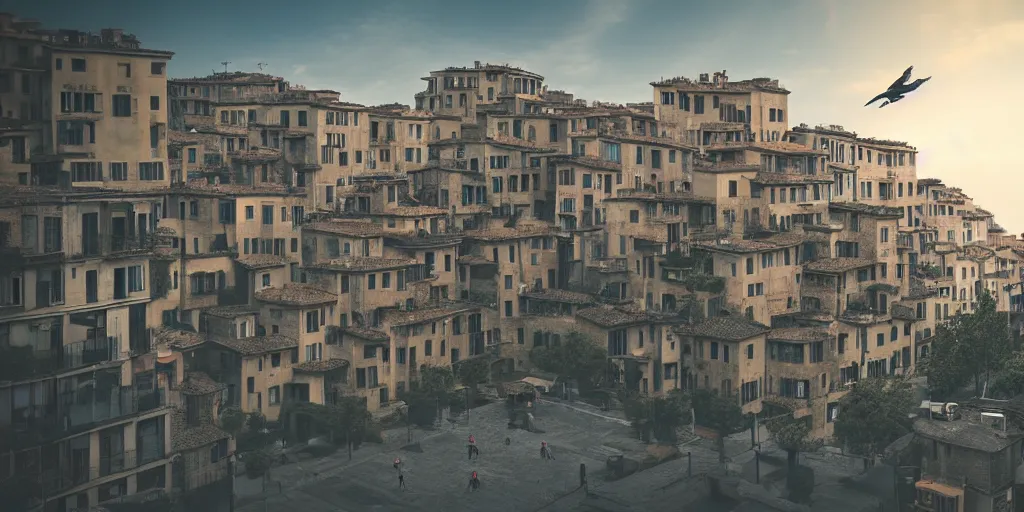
834,55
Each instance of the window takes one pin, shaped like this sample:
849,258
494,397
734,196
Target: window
274,393
136,279
312,321
77,65
119,171
154,102
250,212
157,68
750,351
121,105
733,188
86,171
634,216
303,118
151,171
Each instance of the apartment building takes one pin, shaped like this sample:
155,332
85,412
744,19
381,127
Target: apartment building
243,242
92,412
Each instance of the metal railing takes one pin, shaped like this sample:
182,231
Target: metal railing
89,352
73,475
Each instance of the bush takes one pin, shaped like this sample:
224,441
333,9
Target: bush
257,463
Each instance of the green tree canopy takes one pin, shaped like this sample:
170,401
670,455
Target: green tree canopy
1009,381
967,346
875,413
793,436
577,357
657,416
721,414
347,420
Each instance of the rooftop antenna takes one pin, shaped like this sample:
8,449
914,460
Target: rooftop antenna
225,64
261,64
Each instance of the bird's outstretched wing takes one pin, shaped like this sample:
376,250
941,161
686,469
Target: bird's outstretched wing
876,98
903,79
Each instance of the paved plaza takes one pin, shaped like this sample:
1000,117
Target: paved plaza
437,472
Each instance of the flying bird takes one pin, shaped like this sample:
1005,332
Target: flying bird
899,88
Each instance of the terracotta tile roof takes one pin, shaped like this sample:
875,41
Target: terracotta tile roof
475,260
351,228
885,142
256,154
836,265
325,365
654,141
498,234
418,316
366,333
414,211
798,334
178,139
724,328
256,345
706,166
779,178
721,127
260,261
199,383
555,295
178,339
739,245
361,264
901,312
754,84
867,209
234,77
588,161
663,197
185,437
614,316
966,433
785,147
519,143
236,189
296,295
843,167
231,311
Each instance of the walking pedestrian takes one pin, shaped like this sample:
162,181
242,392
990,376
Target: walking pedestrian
545,451
401,481
474,482
473,450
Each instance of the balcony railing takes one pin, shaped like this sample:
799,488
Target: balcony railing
450,163
486,298
89,352
73,475
78,411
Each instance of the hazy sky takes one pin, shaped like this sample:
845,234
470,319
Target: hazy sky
833,54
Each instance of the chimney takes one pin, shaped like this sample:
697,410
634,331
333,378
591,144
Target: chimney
476,64
725,78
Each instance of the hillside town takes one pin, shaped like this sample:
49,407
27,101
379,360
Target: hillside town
703,242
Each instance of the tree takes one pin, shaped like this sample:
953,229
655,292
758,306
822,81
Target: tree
347,419
577,358
722,415
793,436
967,346
232,420
1009,381
657,417
875,413
471,372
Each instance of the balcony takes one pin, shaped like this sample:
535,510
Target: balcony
121,244
488,298
90,352
458,164
20,363
74,475
75,412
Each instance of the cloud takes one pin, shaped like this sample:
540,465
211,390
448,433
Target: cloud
298,70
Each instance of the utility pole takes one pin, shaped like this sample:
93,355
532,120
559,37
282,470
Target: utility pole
225,64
